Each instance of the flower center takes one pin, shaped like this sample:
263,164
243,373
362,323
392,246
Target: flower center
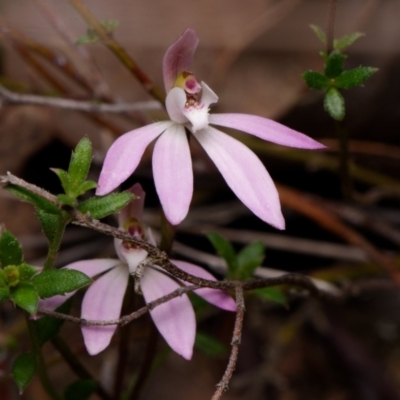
135,229
191,85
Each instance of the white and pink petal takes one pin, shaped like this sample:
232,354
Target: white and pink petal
103,302
124,155
174,319
173,175
265,129
244,173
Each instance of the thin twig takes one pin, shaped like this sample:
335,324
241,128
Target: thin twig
330,25
160,258
125,319
236,338
10,97
118,50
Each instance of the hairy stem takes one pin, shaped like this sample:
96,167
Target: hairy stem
330,25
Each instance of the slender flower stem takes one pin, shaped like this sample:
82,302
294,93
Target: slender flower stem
330,25
41,367
147,364
123,345
167,234
118,50
344,173
76,366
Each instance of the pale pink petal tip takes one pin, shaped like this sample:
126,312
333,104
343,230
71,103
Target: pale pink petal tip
218,298
175,319
178,57
135,208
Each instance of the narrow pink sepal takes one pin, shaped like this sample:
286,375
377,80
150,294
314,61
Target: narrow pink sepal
174,319
103,301
173,175
89,268
135,208
244,173
124,155
178,57
216,297
266,129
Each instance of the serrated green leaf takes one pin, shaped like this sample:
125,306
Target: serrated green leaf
319,32
66,200
50,224
315,80
334,64
249,258
334,104
26,272
272,294
209,345
87,185
354,77
26,297
63,176
4,293
23,370
80,390
345,41
48,327
100,207
10,250
59,281
225,250
39,202
79,166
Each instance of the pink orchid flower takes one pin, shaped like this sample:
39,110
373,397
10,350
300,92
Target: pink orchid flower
187,104
174,319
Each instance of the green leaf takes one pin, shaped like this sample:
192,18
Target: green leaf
319,32
225,250
315,80
38,201
354,77
26,297
209,345
59,281
334,104
79,165
249,258
64,178
345,41
87,185
100,207
10,250
334,64
272,294
51,224
23,370
80,390
48,327
26,272
66,200
4,293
